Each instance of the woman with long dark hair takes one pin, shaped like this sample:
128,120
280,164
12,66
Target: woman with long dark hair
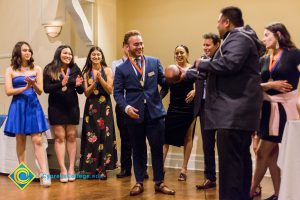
98,140
280,77
23,81
180,122
63,80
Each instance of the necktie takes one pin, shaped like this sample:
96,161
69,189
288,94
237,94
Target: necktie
137,61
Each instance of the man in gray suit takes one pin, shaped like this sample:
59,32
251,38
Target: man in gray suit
233,101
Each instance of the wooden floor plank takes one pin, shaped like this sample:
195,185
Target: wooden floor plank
114,188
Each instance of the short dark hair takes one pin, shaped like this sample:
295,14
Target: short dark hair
214,37
284,39
234,14
130,34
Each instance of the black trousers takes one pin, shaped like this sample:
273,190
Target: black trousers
235,164
126,146
153,130
208,145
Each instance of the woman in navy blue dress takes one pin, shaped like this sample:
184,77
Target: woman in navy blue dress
280,78
23,81
63,80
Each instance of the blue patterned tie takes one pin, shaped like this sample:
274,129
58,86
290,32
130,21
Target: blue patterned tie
137,61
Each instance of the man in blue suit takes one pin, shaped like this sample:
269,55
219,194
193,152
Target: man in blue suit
139,76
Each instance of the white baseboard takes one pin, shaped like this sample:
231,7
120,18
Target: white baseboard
196,162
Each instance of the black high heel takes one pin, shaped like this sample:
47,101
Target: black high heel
273,197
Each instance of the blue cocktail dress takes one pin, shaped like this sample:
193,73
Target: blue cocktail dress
25,115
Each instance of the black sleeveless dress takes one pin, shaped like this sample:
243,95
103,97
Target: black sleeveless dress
179,115
285,70
98,140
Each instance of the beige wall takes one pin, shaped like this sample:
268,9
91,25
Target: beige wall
164,25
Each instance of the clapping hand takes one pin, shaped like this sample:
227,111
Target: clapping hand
65,81
29,81
79,81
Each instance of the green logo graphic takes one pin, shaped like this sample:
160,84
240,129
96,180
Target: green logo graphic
22,176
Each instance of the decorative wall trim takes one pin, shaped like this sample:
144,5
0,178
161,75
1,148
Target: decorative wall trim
82,25
5,55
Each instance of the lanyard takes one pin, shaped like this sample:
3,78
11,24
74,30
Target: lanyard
63,74
140,70
274,64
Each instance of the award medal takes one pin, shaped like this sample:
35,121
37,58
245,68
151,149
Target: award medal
96,92
138,69
62,76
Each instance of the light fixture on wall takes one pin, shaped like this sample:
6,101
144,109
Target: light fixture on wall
53,28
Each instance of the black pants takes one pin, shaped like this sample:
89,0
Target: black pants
235,164
208,145
126,146
153,130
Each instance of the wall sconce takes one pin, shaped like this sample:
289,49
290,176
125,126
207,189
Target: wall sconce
53,31
53,28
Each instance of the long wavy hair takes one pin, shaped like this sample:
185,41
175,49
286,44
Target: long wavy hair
284,38
16,56
88,64
55,65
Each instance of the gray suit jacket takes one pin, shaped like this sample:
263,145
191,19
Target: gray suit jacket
234,95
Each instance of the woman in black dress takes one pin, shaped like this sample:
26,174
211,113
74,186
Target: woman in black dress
280,77
63,80
180,123
98,140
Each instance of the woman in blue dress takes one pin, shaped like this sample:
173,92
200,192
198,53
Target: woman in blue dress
23,81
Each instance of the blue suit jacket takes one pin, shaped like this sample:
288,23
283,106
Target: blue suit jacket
127,80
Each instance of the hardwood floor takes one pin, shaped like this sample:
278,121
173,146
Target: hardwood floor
114,188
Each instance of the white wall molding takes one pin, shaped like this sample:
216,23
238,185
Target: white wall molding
5,55
82,25
196,162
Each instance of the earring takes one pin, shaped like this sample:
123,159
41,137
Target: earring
277,45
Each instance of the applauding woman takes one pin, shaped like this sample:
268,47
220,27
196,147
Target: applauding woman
98,140
63,80
23,80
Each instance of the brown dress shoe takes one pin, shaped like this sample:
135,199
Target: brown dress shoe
137,189
162,188
206,185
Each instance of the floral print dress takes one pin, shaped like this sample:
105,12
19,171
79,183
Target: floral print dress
98,139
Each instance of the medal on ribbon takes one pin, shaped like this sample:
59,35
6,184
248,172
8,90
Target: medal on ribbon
139,70
63,75
91,80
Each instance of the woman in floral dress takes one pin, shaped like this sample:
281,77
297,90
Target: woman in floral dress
98,140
